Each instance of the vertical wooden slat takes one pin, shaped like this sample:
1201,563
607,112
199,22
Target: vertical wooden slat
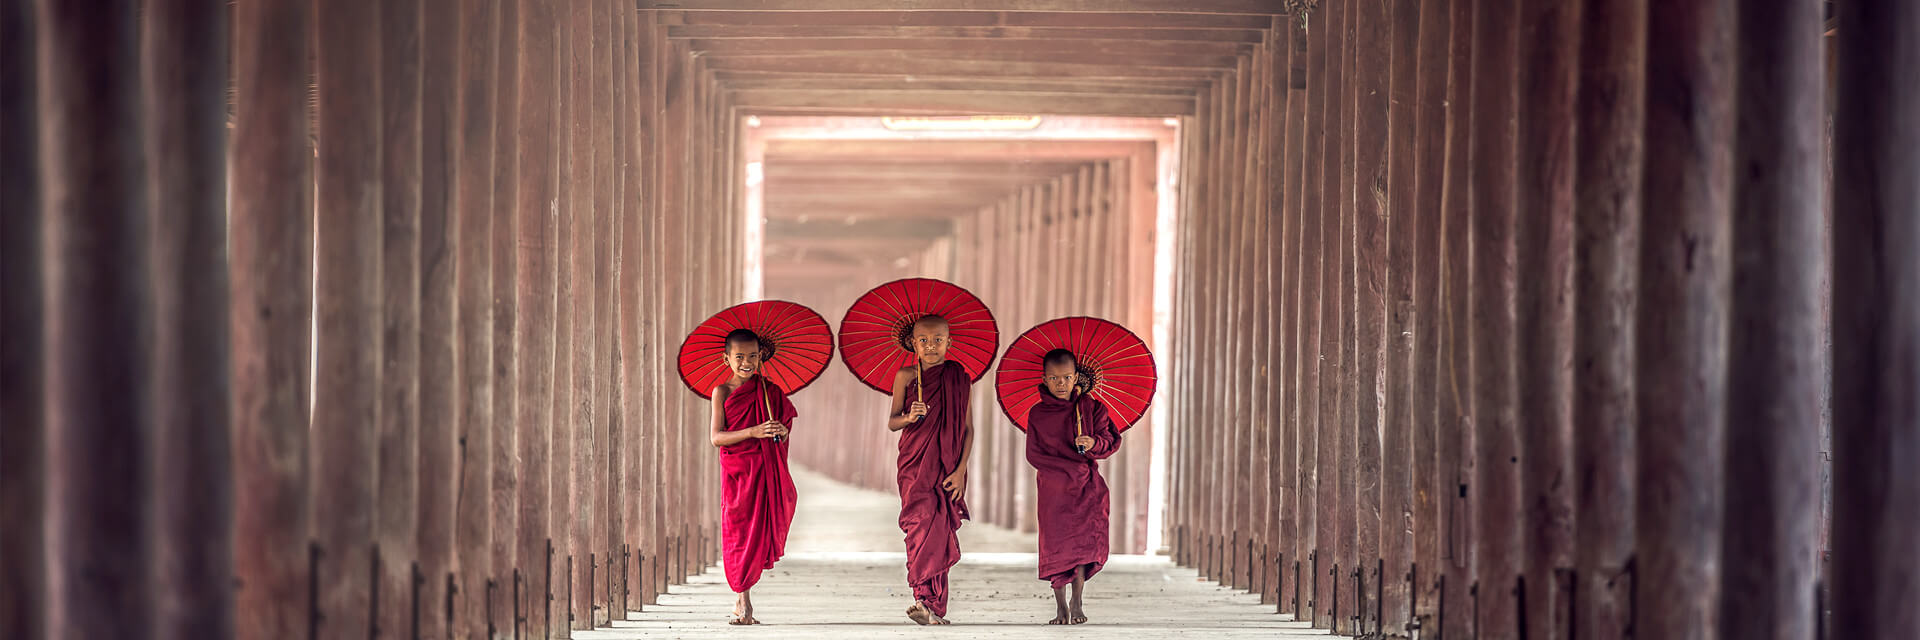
509,374
1875,420
396,488
1372,82
185,68
1397,437
1341,396
349,331
270,259
1430,488
1456,402
1548,42
1775,340
1682,320
23,467
1609,108
535,327
441,239
472,213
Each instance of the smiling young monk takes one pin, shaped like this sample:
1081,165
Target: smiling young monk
930,400
1068,433
751,418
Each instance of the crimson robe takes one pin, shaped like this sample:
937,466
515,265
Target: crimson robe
1072,496
757,493
929,451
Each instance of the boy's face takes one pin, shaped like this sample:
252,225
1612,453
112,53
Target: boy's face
743,357
930,342
1060,379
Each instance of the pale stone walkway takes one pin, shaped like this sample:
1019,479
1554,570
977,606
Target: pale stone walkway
836,582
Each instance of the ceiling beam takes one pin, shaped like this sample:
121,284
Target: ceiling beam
777,80
966,19
1109,58
903,151
971,102
1247,7
793,230
917,66
958,174
787,32
1149,49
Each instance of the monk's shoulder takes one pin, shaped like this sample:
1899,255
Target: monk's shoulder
722,390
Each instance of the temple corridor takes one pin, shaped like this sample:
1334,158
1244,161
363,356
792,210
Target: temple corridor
1502,319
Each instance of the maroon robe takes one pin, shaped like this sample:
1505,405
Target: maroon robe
929,451
1072,496
757,493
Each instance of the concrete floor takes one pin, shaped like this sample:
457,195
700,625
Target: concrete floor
845,577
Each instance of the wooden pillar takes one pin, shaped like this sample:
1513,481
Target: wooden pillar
1874,421
441,239
573,312
473,214
1428,169
1455,405
1372,74
1306,386
535,327
1682,321
1322,306
185,66
23,466
396,487
98,308
349,329
612,386
574,594
1496,482
1278,324
1776,339
1336,438
510,376
1609,108
1295,538
1548,41
1252,406
1398,427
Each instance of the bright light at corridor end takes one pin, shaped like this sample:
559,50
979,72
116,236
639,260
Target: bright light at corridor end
961,123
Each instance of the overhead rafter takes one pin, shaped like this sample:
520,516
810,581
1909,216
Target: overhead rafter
993,33
885,18
968,102
1249,7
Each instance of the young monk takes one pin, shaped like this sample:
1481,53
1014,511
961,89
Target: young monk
1068,433
936,439
751,418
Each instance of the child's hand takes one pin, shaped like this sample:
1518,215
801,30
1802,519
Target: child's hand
770,430
1084,442
916,411
955,484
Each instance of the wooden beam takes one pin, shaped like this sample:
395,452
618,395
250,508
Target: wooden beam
869,83
1048,54
905,151
791,230
922,66
1231,7
842,211
957,45
991,33
790,172
788,19
971,101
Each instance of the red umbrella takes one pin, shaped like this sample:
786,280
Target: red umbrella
800,344
873,337
1113,362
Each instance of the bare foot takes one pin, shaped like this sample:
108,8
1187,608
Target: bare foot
920,614
1078,616
743,612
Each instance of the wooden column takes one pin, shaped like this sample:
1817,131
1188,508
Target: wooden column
1320,311
1295,538
1455,406
509,375
270,258
1682,320
1609,108
1428,176
535,327
1372,75
573,595
473,214
1549,38
1397,521
1768,557
1877,111
441,239
396,486
349,328
98,309
573,311
185,66
1306,388
23,466
1336,435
